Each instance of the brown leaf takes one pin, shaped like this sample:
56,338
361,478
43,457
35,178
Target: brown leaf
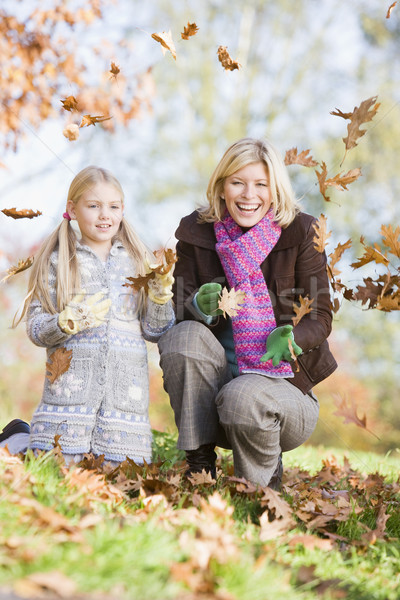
303,309
24,213
389,303
226,61
140,281
166,41
371,254
311,542
37,585
70,103
89,120
361,114
339,181
389,10
349,413
321,234
22,265
58,363
189,30
336,255
391,239
166,260
370,292
292,158
114,70
230,302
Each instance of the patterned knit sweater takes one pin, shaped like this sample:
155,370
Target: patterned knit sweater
100,404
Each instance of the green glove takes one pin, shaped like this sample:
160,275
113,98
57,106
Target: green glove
208,297
278,345
82,313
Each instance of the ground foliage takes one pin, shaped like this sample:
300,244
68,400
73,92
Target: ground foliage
143,531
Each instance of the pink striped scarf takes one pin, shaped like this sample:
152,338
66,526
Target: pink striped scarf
241,255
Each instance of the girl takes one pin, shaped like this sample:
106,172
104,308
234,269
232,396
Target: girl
76,301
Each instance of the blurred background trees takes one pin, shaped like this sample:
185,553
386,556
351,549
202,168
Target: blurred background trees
171,121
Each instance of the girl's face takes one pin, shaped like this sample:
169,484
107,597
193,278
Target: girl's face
99,214
247,194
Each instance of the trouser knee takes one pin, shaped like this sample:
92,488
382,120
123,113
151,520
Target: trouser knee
190,338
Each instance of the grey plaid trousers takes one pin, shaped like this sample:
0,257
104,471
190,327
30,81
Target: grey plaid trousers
257,416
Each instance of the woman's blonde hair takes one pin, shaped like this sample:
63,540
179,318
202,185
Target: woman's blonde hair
242,153
68,279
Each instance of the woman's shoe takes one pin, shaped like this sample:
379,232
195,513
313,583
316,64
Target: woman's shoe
203,457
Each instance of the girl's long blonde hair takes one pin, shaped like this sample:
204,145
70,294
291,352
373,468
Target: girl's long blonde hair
242,153
68,279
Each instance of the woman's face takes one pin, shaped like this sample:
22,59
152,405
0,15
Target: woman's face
247,194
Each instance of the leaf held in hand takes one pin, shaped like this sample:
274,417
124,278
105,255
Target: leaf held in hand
166,41
166,260
58,363
230,302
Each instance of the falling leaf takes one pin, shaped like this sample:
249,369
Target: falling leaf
339,181
58,363
360,115
389,10
349,413
230,302
25,213
189,30
166,41
336,255
389,303
371,254
21,266
71,132
292,158
321,234
114,70
226,61
303,309
70,103
391,239
89,120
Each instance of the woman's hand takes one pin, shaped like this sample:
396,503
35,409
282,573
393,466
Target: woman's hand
278,345
208,297
83,313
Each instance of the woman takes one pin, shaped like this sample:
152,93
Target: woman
224,388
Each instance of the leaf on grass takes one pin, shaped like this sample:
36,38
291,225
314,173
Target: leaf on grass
321,233
189,30
24,213
389,10
89,120
340,181
166,41
361,114
70,103
292,158
22,265
336,255
230,302
391,239
114,70
311,542
58,363
71,132
226,61
303,309
349,413
38,585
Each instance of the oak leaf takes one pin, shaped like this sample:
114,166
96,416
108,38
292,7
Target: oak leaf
292,158
166,260
389,10
58,363
89,120
71,132
349,413
189,30
25,213
339,181
230,302
360,115
336,255
371,254
70,103
388,303
166,41
22,265
391,239
321,233
303,309
114,70
370,292
225,59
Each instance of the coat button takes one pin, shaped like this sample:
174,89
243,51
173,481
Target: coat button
102,379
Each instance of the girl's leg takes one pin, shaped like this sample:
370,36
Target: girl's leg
194,370
262,417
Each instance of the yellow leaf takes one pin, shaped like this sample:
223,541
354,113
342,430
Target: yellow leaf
166,41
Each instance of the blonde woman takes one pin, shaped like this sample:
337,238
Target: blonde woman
76,302
232,381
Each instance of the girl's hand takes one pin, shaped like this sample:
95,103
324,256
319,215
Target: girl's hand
160,288
83,313
208,297
278,345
